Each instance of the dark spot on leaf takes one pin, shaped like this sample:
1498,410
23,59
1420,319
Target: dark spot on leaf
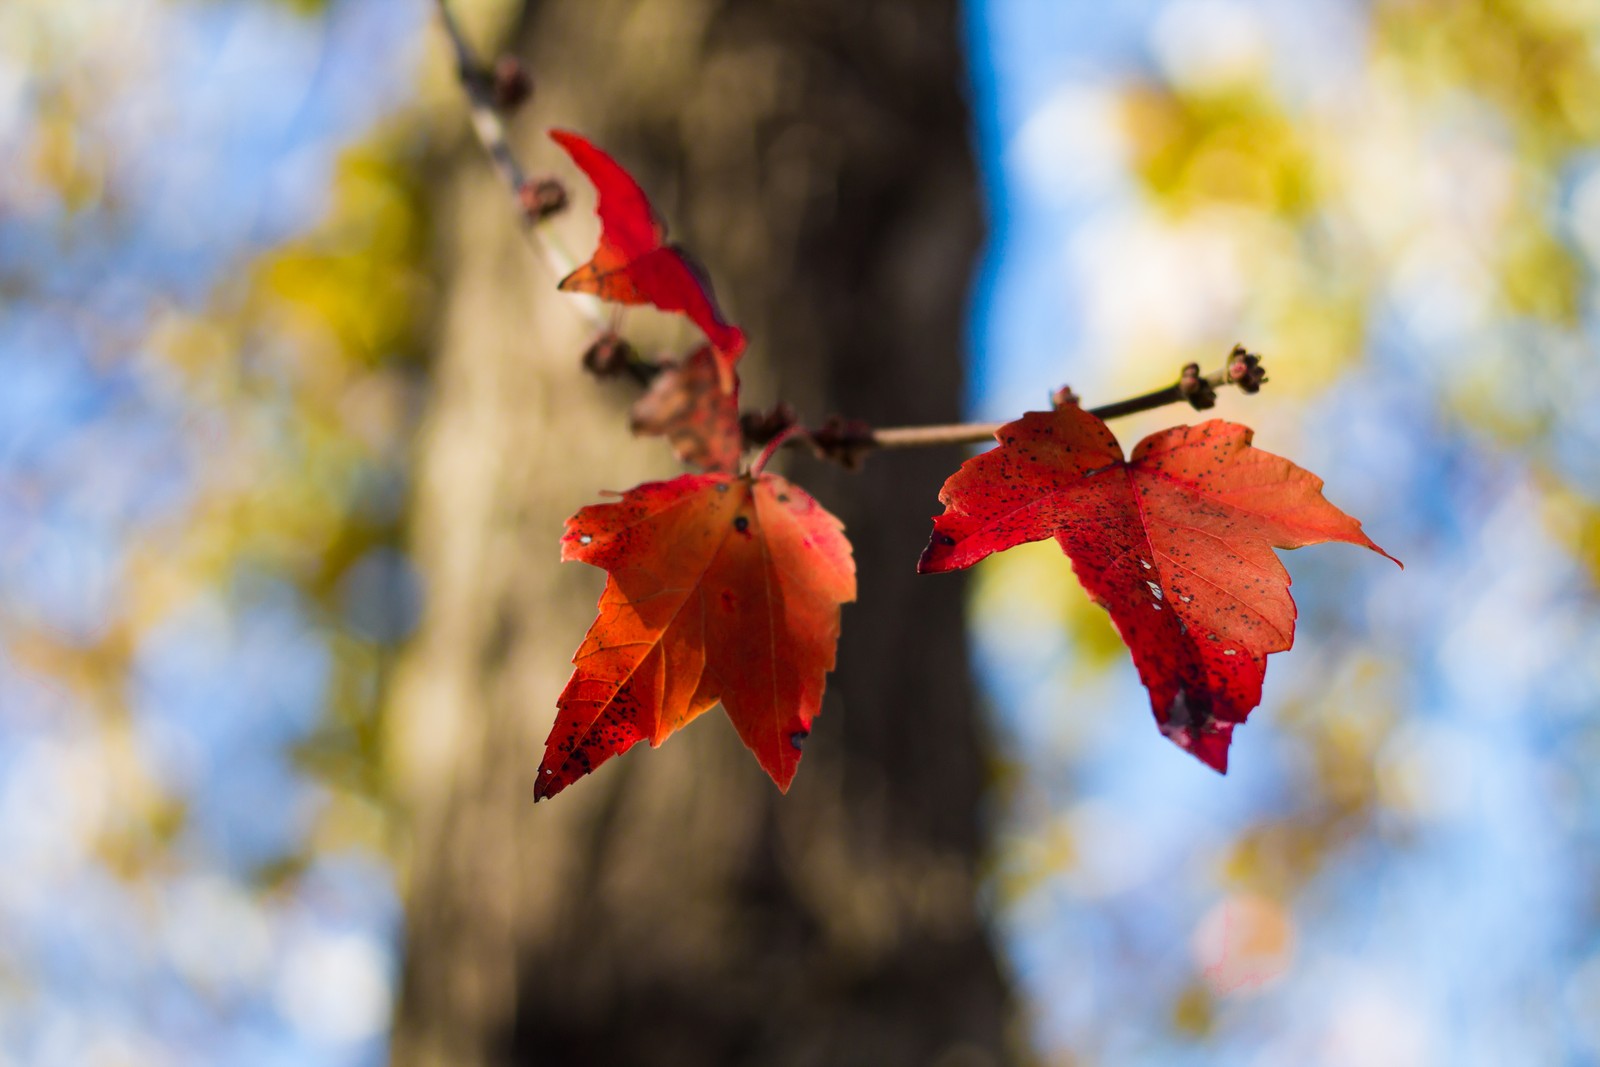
798,739
741,524
944,539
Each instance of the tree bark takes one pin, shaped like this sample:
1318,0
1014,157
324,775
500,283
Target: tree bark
673,909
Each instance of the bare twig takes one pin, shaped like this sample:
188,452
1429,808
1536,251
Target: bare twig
961,433
845,441
479,87
537,199
848,441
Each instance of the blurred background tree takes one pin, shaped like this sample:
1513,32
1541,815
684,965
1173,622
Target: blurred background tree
290,418
678,910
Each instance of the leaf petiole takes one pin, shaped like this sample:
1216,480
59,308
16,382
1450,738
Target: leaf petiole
783,438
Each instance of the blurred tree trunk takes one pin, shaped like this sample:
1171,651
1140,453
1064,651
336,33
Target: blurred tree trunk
674,909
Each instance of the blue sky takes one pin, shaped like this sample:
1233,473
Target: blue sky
225,138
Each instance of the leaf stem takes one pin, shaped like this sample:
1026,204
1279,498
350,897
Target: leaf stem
792,433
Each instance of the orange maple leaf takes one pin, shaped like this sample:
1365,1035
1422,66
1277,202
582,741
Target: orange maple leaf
1175,542
720,587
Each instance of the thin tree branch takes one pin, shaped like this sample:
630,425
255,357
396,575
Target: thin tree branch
960,433
844,440
479,87
848,441
488,92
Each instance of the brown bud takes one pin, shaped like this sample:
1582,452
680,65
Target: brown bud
511,84
1063,397
759,427
1245,370
542,198
845,441
1194,388
610,355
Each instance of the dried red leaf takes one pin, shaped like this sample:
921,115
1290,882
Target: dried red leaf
686,405
721,587
1176,543
633,263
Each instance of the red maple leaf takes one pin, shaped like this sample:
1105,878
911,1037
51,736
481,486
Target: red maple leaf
633,263
1176,543
686,405
720,587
